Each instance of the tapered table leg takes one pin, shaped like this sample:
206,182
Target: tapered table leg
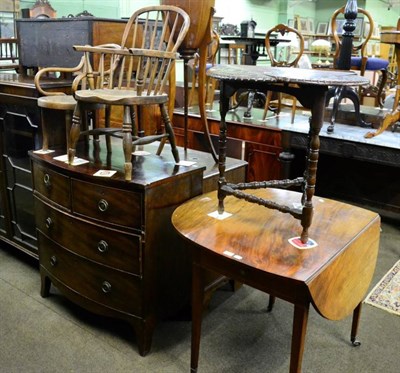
298,337
197,312
354,325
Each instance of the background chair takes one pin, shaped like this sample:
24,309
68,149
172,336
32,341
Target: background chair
358,61
61,101
9,54
287,54
53,100
132,75
236,53
212,51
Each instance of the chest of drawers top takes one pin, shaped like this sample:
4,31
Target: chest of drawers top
149,170
156,184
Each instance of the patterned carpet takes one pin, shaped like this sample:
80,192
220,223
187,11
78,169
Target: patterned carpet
386,294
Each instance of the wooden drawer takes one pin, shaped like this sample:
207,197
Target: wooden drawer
107,246
109,205
103,285
51,185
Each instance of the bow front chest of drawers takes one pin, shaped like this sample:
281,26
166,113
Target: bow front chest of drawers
108,245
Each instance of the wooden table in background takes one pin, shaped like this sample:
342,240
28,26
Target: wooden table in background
252,246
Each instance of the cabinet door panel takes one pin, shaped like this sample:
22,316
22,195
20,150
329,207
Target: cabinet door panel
19,134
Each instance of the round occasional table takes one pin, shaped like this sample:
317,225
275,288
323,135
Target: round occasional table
310,88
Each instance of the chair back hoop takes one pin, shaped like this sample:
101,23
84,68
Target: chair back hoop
290,58
212,50
145,57
357,47
161,27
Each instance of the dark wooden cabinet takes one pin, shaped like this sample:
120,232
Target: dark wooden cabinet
258,145
108,244
350,167
19,133
48,42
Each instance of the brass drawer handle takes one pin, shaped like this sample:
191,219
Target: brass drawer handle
53,261
49,223
102,246
106,287
102,205
47,181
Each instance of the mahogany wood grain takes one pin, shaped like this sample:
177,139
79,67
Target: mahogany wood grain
115,239
262,144
334,276
238,130
109,245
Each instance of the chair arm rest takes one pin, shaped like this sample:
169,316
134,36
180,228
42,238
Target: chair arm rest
102,48
47,70
153,53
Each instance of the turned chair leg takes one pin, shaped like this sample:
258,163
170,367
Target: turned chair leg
68,121
45,137
381,87
192,91
127,142
210,93
107,121
278,110
74,133
294,105
170,132
267,103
